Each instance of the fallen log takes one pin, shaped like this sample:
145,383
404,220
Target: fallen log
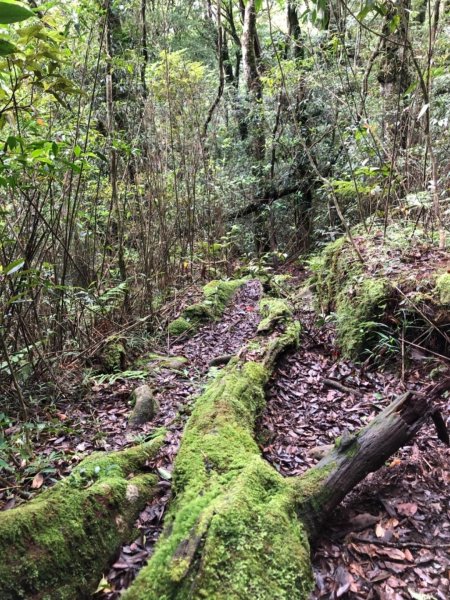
353,457
57,545
237,529
216,295
231,531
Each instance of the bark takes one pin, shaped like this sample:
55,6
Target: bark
355,456
294,32
266,198
250,51
222,53
395,78
58,545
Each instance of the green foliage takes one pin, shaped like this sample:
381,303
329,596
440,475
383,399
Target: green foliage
13,12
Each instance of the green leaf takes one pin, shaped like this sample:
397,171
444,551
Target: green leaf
14,266
13,12
394,23
7,48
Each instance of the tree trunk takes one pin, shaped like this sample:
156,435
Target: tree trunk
58,545
253,82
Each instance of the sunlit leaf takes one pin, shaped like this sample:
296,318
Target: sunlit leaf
14,266
13,12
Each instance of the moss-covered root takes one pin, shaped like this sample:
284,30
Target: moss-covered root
216,295
232,532
274,311
58,545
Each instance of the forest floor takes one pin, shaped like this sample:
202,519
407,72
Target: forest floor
390,539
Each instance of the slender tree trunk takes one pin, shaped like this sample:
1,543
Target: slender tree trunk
117,217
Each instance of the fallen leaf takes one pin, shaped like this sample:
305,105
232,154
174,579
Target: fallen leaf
408,509
37,482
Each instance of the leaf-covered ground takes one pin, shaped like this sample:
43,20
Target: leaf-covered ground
391,537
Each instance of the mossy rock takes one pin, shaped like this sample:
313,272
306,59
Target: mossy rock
198,313
157,362
180,326
145,405
113,356
443,288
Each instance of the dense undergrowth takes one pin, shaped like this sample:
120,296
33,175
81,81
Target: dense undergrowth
398,294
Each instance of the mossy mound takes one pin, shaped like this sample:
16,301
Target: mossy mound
57,545
396,291
216,294
232,531
113,355
180,326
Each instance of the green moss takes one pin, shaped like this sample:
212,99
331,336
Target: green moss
280,285
179,326
359,315
113,355
273,311
217,294
57,545
443,288
231,532
357,299
328,272
369,308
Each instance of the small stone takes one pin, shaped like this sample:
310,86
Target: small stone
145,405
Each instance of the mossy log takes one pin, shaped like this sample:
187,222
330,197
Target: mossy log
216,295
231,531
238,529
57,546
